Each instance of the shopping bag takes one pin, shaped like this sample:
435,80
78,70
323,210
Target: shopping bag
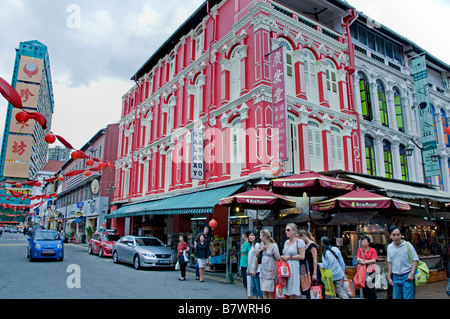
283,269
185,257
422,272
384,281
279,294
305,276
327,279
177,266
349,288
360,277
316,291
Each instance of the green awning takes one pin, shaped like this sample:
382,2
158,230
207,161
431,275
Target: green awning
202,202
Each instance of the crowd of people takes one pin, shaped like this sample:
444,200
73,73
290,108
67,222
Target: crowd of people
260,257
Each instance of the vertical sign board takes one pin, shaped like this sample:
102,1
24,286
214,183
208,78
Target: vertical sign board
197,154
277,75
425,116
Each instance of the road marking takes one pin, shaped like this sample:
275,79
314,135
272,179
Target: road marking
3,245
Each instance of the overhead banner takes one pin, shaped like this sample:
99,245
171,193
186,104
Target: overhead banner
429,144
197,154
277,75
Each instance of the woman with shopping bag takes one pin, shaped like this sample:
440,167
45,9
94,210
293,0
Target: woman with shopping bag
368,256
271,255
182,250
293,252
332,260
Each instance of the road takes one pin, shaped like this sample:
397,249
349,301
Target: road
84,276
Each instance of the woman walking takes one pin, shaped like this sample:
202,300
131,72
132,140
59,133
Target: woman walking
202,252
293,252
332,259
270,254
182,247
254,268
243,261
311,259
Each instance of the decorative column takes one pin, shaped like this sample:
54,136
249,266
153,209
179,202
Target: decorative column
321,67
326,147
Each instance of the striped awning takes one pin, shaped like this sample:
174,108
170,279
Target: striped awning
202,202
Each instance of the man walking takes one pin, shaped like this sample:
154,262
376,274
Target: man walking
400,266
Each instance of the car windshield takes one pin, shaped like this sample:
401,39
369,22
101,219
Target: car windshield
110,237
148,242
47,235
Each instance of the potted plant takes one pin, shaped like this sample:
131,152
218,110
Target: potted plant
89,231
71,234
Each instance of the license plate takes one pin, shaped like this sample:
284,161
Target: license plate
164,261
48,252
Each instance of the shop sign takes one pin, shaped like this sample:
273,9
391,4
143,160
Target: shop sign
429,145
197,154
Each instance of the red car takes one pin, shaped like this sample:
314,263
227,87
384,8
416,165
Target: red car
102,242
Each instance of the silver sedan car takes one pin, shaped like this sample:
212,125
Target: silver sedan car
142,251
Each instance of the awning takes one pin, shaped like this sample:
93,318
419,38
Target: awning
352,218
202,202
78,220
403,190
412,221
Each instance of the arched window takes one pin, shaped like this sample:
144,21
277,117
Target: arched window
382,104
198,43
387,155
366,103
398,110
288,66
337,150
235,148
312,91
292,165
370,155
315,145
332,85
235,74
403,163
445,125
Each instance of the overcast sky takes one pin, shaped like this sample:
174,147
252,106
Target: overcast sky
95,46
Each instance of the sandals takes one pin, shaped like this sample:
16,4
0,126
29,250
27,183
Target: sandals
181,279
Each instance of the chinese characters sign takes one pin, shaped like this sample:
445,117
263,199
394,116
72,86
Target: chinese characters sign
279,103
18,154
197,154
425,116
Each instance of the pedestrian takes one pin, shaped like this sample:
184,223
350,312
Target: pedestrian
207,235
254,268
332,259
311,258
367,255
202,252
270,255
400,266
243,260
293,252
183,247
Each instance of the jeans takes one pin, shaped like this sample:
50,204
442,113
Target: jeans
403,288
256,286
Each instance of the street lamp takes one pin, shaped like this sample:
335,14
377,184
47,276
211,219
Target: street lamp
409,152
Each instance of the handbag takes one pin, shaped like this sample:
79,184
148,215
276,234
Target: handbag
360,277
279,294
316,291
177,266
305,276
327,279
422,272
185,257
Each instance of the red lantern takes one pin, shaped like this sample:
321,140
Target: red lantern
61,178
38,184
50,138
447,130
110,164
102,165
19,185
75,155
89,162
212,223
22,117
87,173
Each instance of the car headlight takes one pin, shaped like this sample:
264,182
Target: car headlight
148,254
38,246
59,246
108,245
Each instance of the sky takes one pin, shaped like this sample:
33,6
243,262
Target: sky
95,47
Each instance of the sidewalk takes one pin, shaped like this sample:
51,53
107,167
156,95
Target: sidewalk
434,290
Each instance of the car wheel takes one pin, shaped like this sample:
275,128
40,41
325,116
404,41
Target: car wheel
100,252
61,258
115,257
137,262
29,256
90,250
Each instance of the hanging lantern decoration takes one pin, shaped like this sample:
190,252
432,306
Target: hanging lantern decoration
75,155
38,184
18,185
10,94
22,117
447,130
213,223
61,178
50,138
87,173
89,162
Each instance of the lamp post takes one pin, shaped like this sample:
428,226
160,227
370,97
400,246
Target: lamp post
409,150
